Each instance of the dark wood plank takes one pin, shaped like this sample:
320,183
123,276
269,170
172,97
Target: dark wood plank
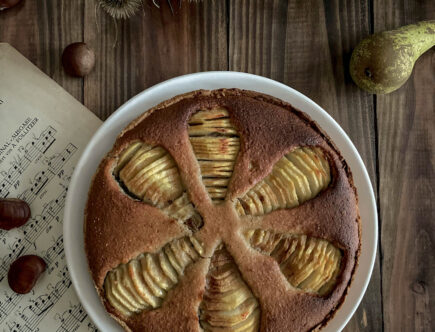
285,41
40,30
307,46
406,125
151,47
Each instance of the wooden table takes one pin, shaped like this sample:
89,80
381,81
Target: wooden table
307,45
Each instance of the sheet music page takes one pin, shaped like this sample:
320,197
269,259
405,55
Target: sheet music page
43,131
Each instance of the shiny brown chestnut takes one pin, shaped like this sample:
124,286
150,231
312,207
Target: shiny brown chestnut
24,272
14,212
78,59
5,4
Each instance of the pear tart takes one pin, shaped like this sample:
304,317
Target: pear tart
222,210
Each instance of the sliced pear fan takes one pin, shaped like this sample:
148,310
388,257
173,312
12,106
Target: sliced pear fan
308,263
150,174
142,283
297,177
216,144
228,303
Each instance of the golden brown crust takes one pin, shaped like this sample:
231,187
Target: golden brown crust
118,228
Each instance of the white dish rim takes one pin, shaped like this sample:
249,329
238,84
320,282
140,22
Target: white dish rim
97,148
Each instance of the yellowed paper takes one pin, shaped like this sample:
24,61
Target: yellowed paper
43,131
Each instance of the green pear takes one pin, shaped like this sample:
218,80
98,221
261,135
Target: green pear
383,62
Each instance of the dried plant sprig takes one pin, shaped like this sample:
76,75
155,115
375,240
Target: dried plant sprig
157,3
120,9
123,9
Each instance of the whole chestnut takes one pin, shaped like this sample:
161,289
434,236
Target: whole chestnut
24,272
5,4
14,212
78,59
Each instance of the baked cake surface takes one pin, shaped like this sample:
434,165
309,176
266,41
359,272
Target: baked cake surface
223,210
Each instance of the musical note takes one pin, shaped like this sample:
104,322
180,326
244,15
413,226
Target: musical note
92,328
36,310
71,319
37,168
54,251
17,327
32,230
8,302
4,188
26,155
37,184
55,163
16,250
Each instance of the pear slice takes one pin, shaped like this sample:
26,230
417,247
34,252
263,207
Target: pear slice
287,186
217,193
250,324
217,168
155,291
215,148
306,168
313,157
181,253
268,197
151,174
210,115
239,208
297,177
117,304
129,283
209,122
261,200
248,205
216,182
182,209
142,283
308,263
216,144
197,245
124,291
114,288
136,275
166,267
230,318
274,186
148,174
126,155
145,156
254,202
228,304
156,273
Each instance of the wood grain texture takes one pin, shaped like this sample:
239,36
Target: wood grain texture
406,123
307,45
149,48
40,30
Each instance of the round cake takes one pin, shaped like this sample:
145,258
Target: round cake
222,210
